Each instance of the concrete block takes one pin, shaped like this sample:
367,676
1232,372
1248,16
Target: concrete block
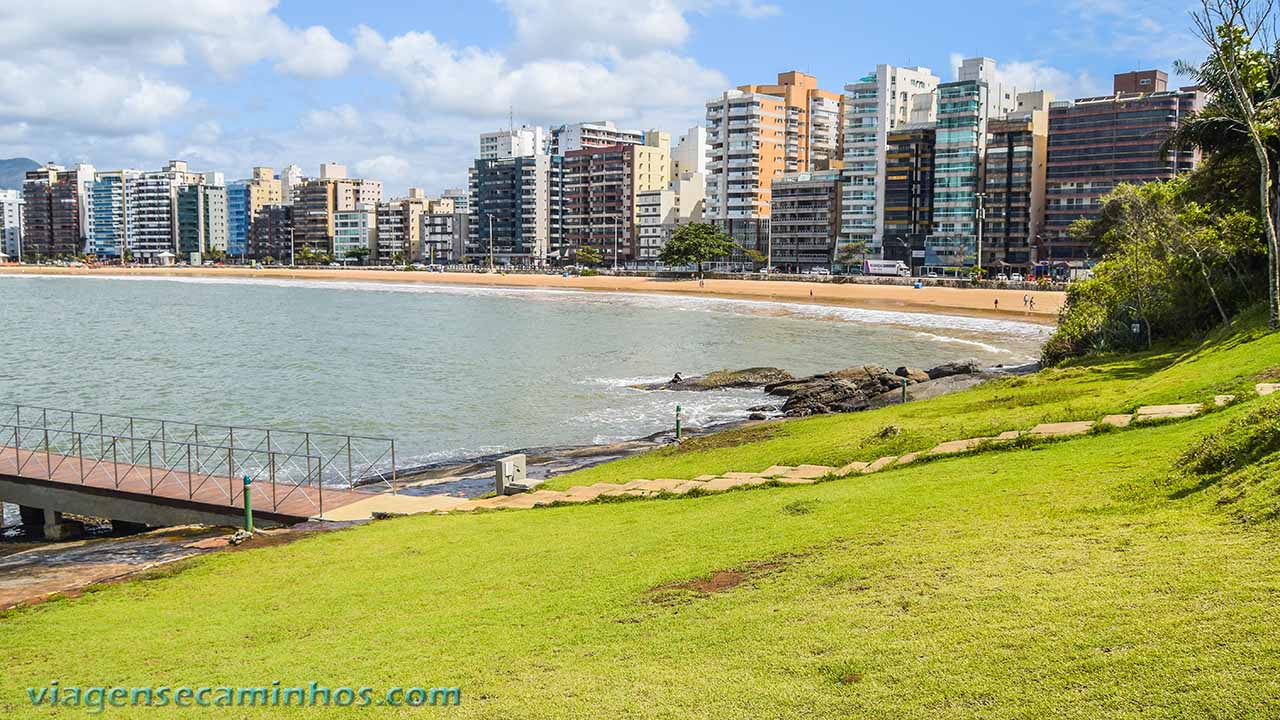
810,471
851,468
909,458
777,470
1223,400
1120,421
1168,412
1265,389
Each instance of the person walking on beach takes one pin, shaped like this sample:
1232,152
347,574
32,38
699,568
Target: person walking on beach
1032,304
702,281
997,304
1026,301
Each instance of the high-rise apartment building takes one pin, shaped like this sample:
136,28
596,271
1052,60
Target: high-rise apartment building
601,194
271,235
400,228
874,107
689,155
1014,185
806,220
524,141
908,193
244,199
151,210
355,234
290,182
1097,143
202,220
515,209
964,109
318,199
51,207
11,204
109,212
460,197
439,231
601,134
660,212
758,132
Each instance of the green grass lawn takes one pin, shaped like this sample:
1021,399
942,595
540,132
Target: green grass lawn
1077,579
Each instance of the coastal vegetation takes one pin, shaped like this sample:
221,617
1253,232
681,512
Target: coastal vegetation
1182,256
1099,576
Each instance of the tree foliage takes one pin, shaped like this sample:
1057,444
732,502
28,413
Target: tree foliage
587,256
1172,266
695,244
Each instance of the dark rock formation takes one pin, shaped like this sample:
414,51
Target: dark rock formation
915,375
723,379
845,390
967,367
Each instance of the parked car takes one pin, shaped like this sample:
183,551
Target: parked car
1001,277
1017,277
933,275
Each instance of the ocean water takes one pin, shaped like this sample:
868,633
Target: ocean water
450,372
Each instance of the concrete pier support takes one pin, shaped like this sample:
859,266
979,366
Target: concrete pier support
124,527
42,522
32,519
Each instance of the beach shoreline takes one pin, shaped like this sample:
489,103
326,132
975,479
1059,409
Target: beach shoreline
973,302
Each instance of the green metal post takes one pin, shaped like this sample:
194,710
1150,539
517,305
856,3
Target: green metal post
248,504
677,423
904,390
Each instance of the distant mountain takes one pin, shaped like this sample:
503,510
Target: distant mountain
12,170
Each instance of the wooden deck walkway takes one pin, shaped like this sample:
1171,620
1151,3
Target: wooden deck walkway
288,502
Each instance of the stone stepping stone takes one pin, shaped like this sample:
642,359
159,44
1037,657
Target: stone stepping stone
583,494
687,486
810,471
1265,389
545,497
957,446
880,464
1010,435
706,478
909,458
635,484
777,470
725,483
1063,429
1120,421
796,480
742,475
662,485
851,468
1168,412
1223,400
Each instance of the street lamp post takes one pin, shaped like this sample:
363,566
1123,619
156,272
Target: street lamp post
981,217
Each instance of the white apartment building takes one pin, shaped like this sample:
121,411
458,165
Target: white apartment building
151,210
354,230
690,153
11,223
660,212
290,180
592,135
524,141
875,106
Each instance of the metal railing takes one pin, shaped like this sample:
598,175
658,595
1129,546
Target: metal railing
195,461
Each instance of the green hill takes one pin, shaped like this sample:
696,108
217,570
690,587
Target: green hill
1083,578
12,171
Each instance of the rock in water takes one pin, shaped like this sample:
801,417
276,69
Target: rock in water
966,367
723,379
915,375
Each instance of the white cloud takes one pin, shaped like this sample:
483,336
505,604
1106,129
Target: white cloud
596,28
226,34
59,90
1037,75
314,53
388,168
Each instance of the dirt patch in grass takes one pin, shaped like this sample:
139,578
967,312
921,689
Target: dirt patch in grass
1269,375
716,582
732,438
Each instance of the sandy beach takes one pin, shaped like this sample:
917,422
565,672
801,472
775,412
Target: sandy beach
929,299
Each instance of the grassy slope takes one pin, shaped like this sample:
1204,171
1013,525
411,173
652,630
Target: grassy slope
1083,391
1066,580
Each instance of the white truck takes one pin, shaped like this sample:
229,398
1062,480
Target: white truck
887,268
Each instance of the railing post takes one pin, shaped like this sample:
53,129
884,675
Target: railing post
164,444
393,467
115,460
191,490
319,485
80,454
271,471
48,459
351,476
231,476
151,470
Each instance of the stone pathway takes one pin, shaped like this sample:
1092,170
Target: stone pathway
809,474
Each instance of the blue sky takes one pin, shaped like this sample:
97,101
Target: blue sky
398,91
